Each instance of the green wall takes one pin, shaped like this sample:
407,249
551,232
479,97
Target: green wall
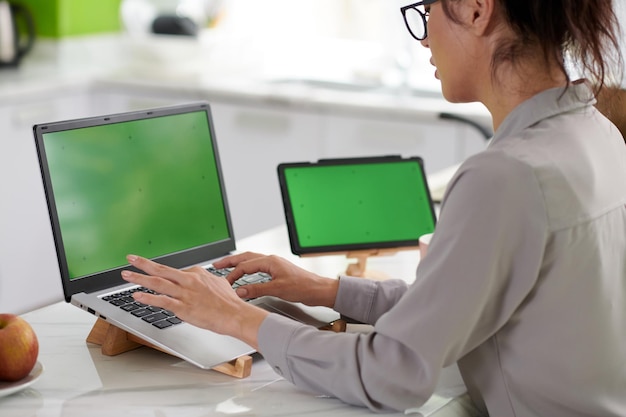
60,18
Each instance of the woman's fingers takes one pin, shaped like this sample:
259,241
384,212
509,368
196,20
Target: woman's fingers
234,260
258,290
247,264
166,289
153,268
160,278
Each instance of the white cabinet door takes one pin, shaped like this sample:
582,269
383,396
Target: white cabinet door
437,142
29,272
252,141
105,99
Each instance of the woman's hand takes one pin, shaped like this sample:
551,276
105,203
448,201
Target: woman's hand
197,297
289,282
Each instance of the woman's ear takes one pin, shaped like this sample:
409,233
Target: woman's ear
479,15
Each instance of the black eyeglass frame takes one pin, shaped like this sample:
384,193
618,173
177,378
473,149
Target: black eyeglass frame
424,16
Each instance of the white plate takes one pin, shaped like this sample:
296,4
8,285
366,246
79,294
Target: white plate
8,388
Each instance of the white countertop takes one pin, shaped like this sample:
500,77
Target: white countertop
215,65
78,380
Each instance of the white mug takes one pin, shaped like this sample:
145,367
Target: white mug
424,241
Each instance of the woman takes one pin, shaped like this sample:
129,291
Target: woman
524,284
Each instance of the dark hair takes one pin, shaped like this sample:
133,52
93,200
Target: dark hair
585,30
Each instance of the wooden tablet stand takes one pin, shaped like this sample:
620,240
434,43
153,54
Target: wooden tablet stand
113,341
358,268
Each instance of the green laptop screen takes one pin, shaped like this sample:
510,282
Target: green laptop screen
350,205
149,187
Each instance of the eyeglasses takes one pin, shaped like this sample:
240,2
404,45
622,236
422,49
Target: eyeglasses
416,18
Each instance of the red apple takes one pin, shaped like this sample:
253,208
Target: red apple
18,348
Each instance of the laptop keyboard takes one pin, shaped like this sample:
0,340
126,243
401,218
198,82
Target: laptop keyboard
258,278
161,318
157,316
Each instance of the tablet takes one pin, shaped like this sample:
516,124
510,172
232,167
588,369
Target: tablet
345,205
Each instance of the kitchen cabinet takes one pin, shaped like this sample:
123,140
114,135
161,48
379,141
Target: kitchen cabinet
252,141
440,143
253,138
29,273
349,136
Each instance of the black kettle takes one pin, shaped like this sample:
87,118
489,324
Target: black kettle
14,43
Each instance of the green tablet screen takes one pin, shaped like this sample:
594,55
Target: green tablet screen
344,205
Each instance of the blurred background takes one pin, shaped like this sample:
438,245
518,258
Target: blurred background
287,80
273,32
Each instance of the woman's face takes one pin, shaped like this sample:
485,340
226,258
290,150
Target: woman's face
451,49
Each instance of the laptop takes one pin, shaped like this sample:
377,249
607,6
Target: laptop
356,204
150,183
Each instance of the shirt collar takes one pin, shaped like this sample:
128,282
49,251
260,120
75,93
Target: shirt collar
544,105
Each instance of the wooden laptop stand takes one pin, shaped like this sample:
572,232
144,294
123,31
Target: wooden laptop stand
113,341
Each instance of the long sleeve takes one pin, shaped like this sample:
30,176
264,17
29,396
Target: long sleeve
457,301
366,300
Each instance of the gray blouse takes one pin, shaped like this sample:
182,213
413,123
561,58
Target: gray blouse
524,285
